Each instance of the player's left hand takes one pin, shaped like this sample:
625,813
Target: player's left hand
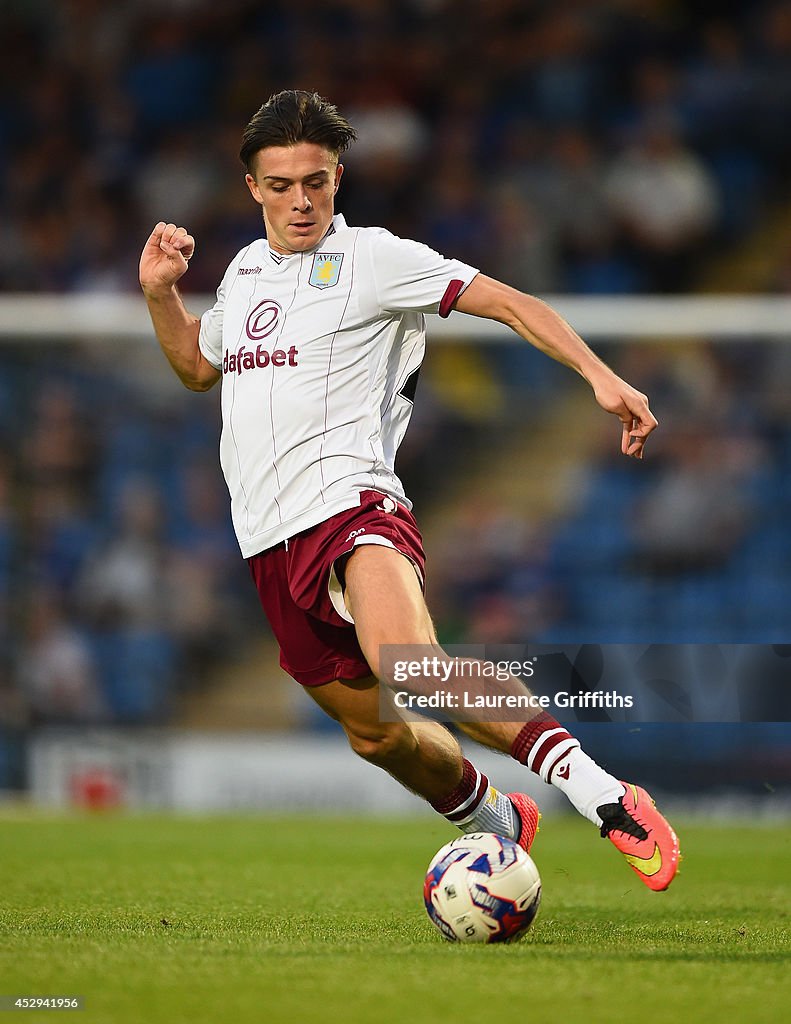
614,395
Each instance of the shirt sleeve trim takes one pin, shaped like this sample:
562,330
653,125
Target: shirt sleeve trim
452,292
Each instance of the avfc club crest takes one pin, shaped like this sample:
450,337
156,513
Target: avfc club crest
326,269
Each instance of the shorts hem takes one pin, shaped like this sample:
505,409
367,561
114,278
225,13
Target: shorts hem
321,676
334,588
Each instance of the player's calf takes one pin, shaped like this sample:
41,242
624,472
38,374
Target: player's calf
385,746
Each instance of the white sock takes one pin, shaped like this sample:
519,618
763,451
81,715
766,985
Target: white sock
585,783
549,750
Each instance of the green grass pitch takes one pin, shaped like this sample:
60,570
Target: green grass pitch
241,919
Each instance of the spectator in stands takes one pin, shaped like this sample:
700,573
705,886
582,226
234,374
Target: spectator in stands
56,670
665,202
125,599
124,583
699,509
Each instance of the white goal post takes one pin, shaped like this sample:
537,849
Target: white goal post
111,317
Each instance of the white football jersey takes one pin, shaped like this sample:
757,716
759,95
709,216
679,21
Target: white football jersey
319,353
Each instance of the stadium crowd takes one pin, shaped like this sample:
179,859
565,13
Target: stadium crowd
564,146
694,548
608,148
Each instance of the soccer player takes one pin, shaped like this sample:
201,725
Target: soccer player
318,334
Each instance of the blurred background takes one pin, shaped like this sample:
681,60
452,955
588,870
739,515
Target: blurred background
608,150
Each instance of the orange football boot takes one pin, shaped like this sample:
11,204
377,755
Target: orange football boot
529,816
636,828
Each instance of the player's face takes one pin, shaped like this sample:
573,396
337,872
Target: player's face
296,187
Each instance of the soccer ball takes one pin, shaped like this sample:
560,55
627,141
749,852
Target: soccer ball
482,888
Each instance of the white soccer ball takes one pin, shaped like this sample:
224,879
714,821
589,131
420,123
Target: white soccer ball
482,888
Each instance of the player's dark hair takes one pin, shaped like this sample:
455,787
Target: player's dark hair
293,116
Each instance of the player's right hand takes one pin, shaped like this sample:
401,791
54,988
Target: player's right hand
165,257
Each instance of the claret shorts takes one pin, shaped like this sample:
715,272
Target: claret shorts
299,582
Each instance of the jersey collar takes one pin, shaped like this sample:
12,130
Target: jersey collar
338,224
